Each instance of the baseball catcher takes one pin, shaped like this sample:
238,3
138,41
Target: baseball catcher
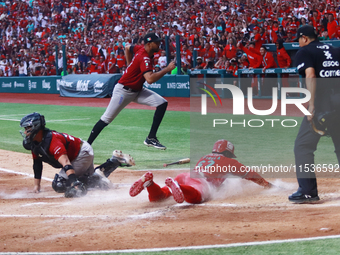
197,190
73,155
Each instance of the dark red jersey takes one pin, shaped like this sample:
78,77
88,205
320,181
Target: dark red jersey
59,144
141,63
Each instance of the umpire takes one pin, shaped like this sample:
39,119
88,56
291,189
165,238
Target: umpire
319,64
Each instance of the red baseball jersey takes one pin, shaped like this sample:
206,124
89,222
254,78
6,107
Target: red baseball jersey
255,60
268,61
62,144
283,58
215,167
134,74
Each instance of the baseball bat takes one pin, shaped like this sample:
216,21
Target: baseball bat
179,162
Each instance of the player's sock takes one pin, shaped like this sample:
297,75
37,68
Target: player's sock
157,119
191,195
100,125
156,193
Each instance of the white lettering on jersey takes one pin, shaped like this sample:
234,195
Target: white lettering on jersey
330,73
300,66
330,63
323,47
327,54
57,150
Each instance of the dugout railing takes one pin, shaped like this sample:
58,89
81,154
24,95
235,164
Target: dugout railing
246,77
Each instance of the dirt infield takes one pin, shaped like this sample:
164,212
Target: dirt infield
111,220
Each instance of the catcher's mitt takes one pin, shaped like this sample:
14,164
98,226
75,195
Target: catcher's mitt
77,189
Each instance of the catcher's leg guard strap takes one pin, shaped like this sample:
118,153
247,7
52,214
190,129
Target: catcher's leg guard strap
108,167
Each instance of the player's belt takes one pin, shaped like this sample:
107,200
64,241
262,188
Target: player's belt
129,89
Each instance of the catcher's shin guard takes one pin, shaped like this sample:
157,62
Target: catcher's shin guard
108,167
59,184
98,180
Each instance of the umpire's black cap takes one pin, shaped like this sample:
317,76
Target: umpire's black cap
152,37
306,30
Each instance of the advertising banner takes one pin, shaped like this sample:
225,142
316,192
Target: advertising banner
29,84
87,85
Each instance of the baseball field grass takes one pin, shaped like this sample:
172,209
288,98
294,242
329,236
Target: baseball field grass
316,247
126,133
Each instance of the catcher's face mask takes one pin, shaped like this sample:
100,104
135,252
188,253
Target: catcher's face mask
30,126
26,132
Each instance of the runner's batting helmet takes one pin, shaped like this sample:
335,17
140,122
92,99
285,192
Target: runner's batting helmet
222,146
31,125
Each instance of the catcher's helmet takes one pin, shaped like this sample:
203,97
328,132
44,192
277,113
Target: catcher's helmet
31,125
222,146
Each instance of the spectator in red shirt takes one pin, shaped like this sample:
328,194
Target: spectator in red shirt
254,57
233,69
243,62
290,37
221,63
332,26
186,53
112,63
121,61
207,52
229,50
93,67
283,60
199,63
257,38
268,60
51,70
255,61
102,65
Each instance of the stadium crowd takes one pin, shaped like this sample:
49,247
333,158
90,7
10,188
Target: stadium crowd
225,34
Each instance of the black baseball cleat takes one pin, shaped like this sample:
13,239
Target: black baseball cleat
300,198
153,142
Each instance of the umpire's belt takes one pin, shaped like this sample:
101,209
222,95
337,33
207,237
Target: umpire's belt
129,89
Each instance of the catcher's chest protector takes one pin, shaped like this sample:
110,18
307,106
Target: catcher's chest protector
41,150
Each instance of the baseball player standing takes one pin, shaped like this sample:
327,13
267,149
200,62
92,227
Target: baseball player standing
197,190
73,155
130,88
316,60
